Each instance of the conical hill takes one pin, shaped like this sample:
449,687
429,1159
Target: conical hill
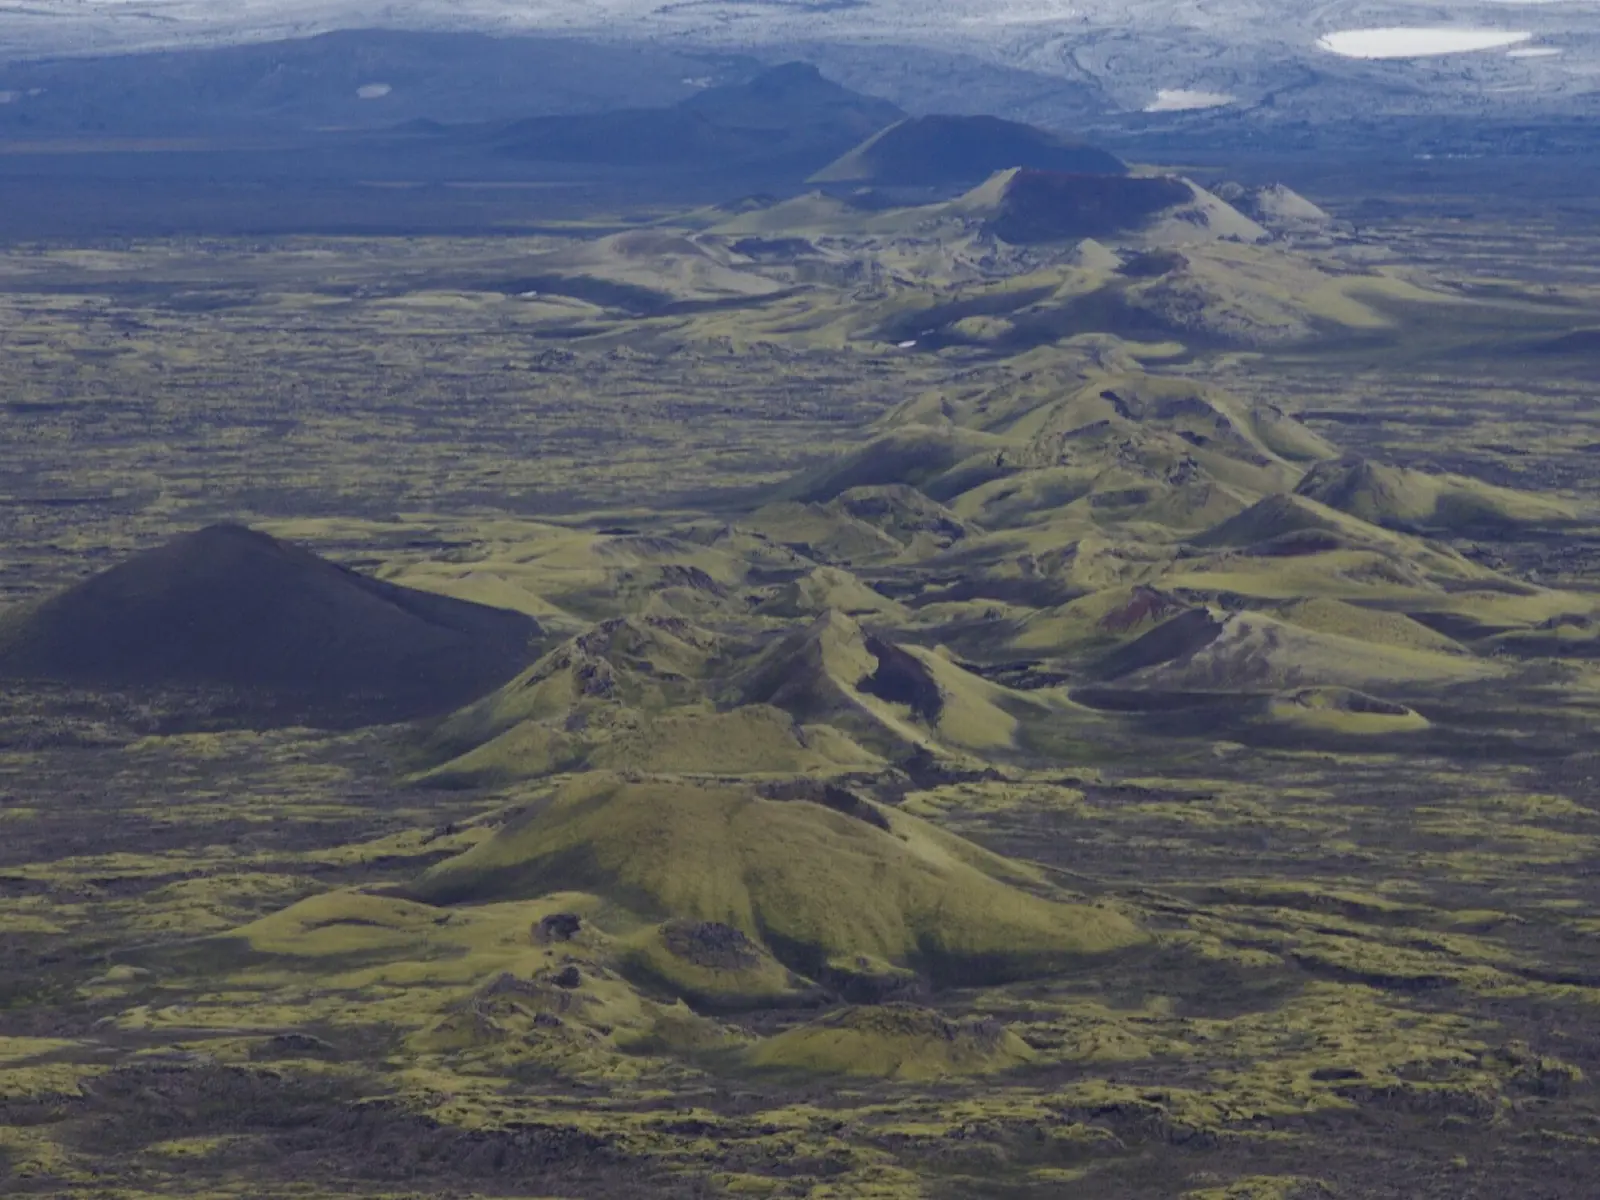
231,608
908,454
1205,651
862,524
1276,517
1276,207
1133,447
890,698
1291,525
629,694
644,662
1399,497
1051,206
809,880
827,588
929,150
814,673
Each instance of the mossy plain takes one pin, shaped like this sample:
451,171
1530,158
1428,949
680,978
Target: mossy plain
1371,965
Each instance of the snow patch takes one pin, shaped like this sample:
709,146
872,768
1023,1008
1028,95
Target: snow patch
1534,52
1185,99
1416,41
373,91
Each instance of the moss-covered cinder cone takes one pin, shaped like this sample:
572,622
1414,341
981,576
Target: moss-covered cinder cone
806,880
1398,497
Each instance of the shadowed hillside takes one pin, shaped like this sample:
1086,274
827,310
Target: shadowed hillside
1050,206
923,151
789,116
1408,499
233,609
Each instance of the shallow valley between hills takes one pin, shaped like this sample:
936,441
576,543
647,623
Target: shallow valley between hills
1077,685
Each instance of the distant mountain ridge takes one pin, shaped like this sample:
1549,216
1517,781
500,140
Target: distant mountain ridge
789,115
994,55
352,79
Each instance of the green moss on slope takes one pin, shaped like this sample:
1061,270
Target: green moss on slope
900,1041
808,881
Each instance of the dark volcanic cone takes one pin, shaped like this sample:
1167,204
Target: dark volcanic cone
923,151
232,609
789,116
1184,635
1053,206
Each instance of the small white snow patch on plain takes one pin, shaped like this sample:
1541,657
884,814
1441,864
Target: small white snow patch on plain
373,91
906,345
1534,52
1415,41
1184,99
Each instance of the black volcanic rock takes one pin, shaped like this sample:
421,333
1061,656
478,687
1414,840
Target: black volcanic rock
1048,206
233,609
935,150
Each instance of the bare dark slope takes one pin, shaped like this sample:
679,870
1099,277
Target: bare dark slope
296,636
1053,206
789,116
926,151
1184,635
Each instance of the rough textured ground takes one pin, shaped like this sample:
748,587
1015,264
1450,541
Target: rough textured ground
1129,654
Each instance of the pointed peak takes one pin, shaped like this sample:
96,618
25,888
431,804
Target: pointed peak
789,74
942,149
836,621
294,635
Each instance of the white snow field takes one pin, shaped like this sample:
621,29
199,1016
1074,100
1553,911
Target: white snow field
1416,41
1186,99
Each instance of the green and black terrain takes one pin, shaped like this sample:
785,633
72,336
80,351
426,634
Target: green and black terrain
751,643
